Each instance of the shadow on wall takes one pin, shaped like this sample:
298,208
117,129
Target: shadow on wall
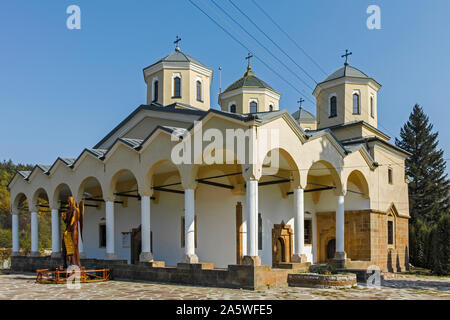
389,261
406,258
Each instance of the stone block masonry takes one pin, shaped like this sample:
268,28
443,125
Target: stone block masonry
198,274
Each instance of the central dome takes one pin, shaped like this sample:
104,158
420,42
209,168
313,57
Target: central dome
248,80
346,71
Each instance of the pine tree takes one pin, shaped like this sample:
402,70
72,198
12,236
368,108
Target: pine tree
429,188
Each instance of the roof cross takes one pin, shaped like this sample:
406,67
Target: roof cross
177,40
346,56
248,57
301,103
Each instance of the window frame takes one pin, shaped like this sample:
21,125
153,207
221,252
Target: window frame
155,91
390,232
358,94
330,106
309,242
174,83
101,225
231,108
390,175
199,87
250,106
371,103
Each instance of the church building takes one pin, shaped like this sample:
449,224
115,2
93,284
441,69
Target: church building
339,193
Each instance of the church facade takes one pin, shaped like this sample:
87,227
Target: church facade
337,194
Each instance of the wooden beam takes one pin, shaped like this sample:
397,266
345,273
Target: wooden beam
267,183
215,184
168,190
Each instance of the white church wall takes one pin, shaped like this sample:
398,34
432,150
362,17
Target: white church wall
125,219
216,224
274,209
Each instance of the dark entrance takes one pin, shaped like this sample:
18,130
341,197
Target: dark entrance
280,251
136,245
331,249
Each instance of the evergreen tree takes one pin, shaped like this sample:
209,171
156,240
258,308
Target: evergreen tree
429,189
441,246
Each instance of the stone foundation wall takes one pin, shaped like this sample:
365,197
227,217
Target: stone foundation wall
357,234
366,240
390,258
235,276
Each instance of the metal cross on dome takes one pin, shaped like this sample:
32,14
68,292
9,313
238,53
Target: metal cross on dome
177,40
346,56
300,102
248,57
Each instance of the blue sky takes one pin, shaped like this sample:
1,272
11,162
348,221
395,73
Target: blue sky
63,90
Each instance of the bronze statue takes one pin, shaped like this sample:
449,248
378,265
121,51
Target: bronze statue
72,218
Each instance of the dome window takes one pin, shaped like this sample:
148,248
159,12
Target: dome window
253,107
356,103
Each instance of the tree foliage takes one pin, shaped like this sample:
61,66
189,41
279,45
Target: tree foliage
429,194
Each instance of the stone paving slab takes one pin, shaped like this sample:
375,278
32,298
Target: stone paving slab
16,286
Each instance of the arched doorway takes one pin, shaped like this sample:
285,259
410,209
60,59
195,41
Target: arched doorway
281,243
280,251
331,249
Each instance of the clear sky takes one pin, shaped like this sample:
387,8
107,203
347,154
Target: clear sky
63,90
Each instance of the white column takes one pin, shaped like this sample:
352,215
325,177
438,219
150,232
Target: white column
340,223
56,238
80,244
15,235
299,220
252,218
34,235
189,227
314,237
110,253
146,254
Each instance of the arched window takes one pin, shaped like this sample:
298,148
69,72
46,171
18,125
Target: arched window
155,91
356,107
199,90
372,112
271,108
233,108
253,107
177,87
333,106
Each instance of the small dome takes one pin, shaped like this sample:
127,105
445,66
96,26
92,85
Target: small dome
346,71
249,80
178,56
302,114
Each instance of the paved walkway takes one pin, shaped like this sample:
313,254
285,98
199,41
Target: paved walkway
23,286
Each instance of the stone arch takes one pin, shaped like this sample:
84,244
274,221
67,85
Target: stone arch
322,174
89,182
358,179
286,162
60,194
123,174
38,194
19,200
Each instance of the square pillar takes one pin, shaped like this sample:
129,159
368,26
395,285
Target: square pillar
56,234
110,252
34,235
146,254
252,257
15,234
299,255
